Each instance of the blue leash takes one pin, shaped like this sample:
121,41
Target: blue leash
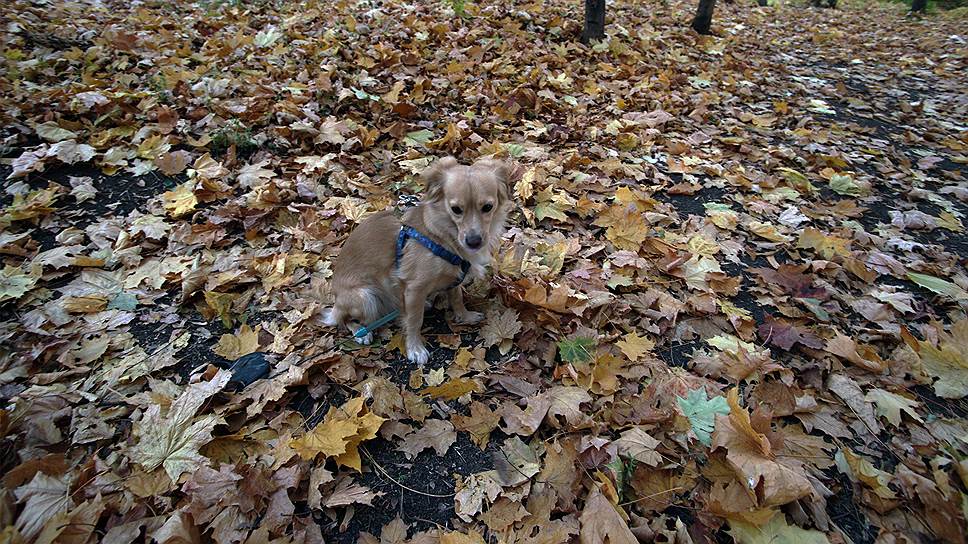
365,330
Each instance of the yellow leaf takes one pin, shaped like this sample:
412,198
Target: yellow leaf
767,231
328,438
635,346
233,346
180,201
453,389
626,227
368,424
524,188
825,246
221,304
87,304
461,538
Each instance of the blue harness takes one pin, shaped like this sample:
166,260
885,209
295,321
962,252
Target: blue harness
406,233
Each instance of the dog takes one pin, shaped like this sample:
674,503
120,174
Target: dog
446,240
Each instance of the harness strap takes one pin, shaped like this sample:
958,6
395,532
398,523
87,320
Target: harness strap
407,232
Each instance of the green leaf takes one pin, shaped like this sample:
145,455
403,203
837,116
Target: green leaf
702,412
576,350
418,137
267,37
844,185
938,285
123,301
515,150
777,531
797,180
14,283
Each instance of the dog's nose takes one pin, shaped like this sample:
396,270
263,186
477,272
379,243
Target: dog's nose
473,241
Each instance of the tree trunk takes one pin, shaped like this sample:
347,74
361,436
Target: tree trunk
594,21
704,16
762,3
919,6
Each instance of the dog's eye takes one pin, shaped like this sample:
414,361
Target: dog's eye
487,207
456,210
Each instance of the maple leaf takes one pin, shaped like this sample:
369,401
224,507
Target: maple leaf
233,346
639,445
500,328
565,401
784,335
938,285
180,201
515,462
889,405
860,469
453,389
749,453
702,412
947,362
348,492
776,531
626,227
15,283
252,175
172,439
52,132
601,522
352,413
44,497
435,433
576,350
328,438
473,537
473,492
827,247
173,162
635,346
478,424
861,355
70,152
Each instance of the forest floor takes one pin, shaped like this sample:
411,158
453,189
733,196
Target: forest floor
730,304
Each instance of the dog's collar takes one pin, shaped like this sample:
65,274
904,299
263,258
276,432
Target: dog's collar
407,232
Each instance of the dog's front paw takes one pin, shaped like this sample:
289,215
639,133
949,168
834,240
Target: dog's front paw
468,318
417,353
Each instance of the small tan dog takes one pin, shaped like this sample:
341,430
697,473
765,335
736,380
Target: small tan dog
388,263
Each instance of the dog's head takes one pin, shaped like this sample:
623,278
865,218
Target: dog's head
473,197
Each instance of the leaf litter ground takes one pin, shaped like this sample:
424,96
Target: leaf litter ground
772,215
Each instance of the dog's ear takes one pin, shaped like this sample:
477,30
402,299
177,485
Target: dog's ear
434,176
502,172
